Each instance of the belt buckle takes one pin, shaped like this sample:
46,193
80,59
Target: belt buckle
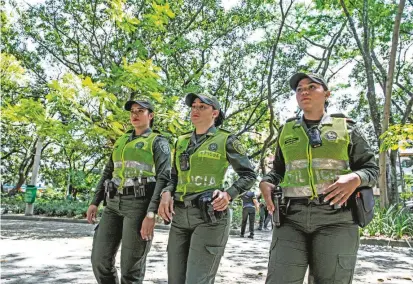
188,203
316,200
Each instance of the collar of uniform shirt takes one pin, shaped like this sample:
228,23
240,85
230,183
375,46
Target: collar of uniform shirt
144,134
211,132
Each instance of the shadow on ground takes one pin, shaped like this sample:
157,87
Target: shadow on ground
40,230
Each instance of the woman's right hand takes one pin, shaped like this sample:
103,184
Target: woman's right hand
266,189
166,206
91,214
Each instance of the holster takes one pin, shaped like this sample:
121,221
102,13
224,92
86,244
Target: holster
209,215
361,203
280,205
110,189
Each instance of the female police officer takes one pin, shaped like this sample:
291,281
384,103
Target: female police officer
319,162
199,230
131,183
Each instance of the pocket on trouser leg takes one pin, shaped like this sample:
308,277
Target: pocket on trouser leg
345,268
217,253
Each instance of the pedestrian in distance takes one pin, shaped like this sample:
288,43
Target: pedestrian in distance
320,162
130,186
265,217
195,200
249,206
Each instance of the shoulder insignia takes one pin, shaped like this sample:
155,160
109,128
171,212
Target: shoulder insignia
238,147
164,145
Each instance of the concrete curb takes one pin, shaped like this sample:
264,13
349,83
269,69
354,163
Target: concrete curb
232,232
386,242
62,220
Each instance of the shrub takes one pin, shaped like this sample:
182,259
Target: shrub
394,222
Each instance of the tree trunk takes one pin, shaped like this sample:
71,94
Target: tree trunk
393,191
386,114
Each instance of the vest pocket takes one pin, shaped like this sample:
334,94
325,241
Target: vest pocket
345,268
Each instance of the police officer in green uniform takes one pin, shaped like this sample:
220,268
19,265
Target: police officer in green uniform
320,160
131,183
201,158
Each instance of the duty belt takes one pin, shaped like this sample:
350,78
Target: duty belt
318,200
130,190
185,204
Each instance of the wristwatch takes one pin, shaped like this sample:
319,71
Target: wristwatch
150,215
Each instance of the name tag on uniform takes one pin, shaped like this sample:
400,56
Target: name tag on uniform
209,154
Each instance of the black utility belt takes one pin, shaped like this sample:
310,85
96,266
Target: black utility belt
136,191
185,204
319,200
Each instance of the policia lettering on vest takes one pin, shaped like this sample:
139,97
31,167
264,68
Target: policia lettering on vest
195,200
131,183
319,163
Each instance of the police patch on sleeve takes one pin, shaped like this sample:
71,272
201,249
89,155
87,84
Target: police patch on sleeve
165,147
238,147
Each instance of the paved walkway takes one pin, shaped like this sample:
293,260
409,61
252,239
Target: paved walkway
55,252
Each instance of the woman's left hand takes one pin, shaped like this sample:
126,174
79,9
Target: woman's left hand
148,225
342,189
221,202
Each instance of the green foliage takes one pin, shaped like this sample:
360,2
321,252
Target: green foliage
86,58
397,136
394,222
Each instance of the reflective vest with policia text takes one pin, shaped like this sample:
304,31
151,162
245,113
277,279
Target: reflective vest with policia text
133,159
207,165
308,171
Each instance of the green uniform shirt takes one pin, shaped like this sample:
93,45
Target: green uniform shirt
236,157
361,157
162,160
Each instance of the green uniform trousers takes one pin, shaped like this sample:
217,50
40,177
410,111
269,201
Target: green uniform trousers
195,247
317,236
121,221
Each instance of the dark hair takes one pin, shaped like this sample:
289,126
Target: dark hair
152,120
220,119
326,104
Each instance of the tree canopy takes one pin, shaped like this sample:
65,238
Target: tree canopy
68,67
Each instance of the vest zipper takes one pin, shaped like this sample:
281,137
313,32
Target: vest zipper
122,171
310,172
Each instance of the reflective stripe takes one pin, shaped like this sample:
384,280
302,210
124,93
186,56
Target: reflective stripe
134,165
304,191
129,181
330,164
317,163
